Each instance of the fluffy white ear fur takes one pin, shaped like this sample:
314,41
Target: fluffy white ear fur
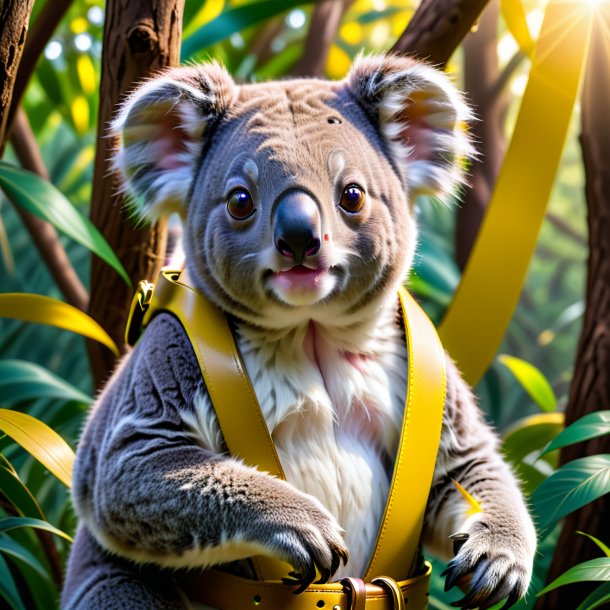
422,117
161,127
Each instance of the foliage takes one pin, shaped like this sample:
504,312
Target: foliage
44,372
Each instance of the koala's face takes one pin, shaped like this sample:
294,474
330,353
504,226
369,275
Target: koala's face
296,195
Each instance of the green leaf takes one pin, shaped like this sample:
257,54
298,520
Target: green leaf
41,198
592,570
45,310
21,380
590,426
531,434
596,598
235,20
11,523
532,380
572,486
40,441
14,549
599,543
17,493
8,588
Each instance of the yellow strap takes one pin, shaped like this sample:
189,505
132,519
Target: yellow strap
398,537
483,305
247,436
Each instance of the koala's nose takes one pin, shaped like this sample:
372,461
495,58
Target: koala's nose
296,229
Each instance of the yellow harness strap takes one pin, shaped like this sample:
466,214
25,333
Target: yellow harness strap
247,436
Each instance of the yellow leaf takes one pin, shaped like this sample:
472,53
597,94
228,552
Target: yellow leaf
79,109
475,507
45,310
86,74
40,441
210,10
338,63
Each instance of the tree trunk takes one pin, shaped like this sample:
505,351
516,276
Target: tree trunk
14,18
590,388
438,27
481,73
140,38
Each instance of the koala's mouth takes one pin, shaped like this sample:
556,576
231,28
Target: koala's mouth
301,285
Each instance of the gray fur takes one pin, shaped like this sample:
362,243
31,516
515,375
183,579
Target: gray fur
151,482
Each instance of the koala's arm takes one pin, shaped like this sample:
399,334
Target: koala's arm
147,488
494,549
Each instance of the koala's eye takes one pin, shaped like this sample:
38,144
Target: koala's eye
240,204
352,199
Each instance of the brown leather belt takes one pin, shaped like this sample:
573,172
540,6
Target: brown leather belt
227,592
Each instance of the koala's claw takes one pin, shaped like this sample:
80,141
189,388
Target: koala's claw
307,577
486,572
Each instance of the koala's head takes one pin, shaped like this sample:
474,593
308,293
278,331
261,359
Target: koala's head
296,196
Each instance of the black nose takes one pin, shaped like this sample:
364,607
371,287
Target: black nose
296,229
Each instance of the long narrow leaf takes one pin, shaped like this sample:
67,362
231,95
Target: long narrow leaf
532,380
590,426
235,20
21,380
572,486
604,548
10,547
45,310
597,598
8,588
43,199
17,493
40,441
592,570
11,523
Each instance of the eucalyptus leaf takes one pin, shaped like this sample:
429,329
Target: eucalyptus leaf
235,20
21,380
17,493
532,380
10,523
597,598
593,570
8,588
531,434
39,197
17,551
604,548
590,426
569,488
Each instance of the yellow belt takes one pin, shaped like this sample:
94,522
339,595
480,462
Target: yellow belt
248,437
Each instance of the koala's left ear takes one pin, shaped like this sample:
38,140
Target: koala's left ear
162,127
421,116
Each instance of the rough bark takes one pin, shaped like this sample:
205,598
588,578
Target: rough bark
325,22
43,234
437,28
46,23
140,38
14,18
590,388
481,72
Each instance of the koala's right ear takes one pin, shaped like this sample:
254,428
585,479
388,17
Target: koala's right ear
163,125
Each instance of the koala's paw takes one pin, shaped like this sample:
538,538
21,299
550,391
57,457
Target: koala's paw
490,565
313,541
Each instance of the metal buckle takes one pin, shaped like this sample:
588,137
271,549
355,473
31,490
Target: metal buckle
356,592
392,587
139,305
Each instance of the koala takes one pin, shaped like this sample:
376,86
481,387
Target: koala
297,202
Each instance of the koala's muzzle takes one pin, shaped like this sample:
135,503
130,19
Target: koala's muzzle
296,226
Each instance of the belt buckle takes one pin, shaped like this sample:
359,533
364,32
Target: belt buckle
356,593
393,589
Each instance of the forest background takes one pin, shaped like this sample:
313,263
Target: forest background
554,356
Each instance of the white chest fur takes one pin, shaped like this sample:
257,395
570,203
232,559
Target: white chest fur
335,418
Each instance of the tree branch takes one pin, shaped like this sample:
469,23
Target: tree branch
46,23
437,28
43,234
323,27
14,17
